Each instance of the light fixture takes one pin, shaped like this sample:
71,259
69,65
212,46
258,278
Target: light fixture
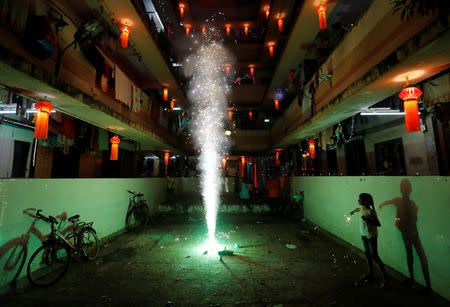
203,30
312,148
166,93
228,27
252,70
227,69
41,126
114,148
227,132
280,24
172,105
276,104
266,120
188,29
243,165
321,9
230,115
267,11
181,6
124,33
250,115
246,29
410,96
271,46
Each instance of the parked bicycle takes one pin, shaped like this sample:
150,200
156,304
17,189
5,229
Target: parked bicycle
138,213
50,262
295,207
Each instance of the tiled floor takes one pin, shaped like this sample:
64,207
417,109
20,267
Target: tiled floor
166,263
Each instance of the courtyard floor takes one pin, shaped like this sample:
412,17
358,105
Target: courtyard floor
276,262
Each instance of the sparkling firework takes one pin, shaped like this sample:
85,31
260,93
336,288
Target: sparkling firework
208,92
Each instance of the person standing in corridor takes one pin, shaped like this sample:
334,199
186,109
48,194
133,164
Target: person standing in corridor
274,190
369,235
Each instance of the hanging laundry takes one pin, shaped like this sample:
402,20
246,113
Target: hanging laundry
123,87
137,96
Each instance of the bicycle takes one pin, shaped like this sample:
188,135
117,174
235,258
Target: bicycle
138,213
50,262
14,252
295,207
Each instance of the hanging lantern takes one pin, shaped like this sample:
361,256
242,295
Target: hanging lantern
280,24
228,27
271,45
230,115
410,95
166,158
267,13
203,30
243,165
277,158
172,105
124,33
181,6
224,163
41,126
321,9
166,93
252,71
276,104
114,148
227,69
250,115
312,148
188,29
246,29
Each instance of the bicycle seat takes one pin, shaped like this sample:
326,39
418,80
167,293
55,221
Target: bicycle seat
73,218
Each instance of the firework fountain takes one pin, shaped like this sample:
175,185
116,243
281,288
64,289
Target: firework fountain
208,92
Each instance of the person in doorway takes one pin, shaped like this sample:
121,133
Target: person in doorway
369,235
274,191
244,194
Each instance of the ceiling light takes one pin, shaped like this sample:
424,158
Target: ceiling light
227,132
266,120
176,108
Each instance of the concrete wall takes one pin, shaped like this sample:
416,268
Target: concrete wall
328,201
103,201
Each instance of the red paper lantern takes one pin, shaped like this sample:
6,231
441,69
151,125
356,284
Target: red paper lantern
312,149
252,71
224,163
166,93
267,13
276,104
228,26
410,95
188,29
114,148
246,29
243,165
280,24
203,30
41,126
271,45
227,69
124,33
277,158
230,115
172,104
166,158
181,6
250,115
321,9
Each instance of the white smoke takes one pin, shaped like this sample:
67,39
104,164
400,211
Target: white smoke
208,90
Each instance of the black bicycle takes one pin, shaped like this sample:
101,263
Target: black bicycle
138,213
50,262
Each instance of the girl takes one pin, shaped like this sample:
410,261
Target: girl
369,234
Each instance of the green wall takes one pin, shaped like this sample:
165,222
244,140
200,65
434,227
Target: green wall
103,201
328,201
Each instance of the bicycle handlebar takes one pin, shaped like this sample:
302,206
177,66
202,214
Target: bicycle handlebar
50,219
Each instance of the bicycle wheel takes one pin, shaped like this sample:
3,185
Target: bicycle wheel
143,214
88,243
48,264
136,217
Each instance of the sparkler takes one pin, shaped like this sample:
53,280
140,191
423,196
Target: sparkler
208,92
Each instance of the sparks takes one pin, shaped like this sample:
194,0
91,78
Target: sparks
208,95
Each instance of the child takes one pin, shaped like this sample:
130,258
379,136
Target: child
369,234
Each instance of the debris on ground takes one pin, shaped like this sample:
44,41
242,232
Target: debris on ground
187,257
291,246
205,252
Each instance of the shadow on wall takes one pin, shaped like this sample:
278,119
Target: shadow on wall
13,253
406,222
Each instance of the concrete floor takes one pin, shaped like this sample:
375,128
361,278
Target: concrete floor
165,263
